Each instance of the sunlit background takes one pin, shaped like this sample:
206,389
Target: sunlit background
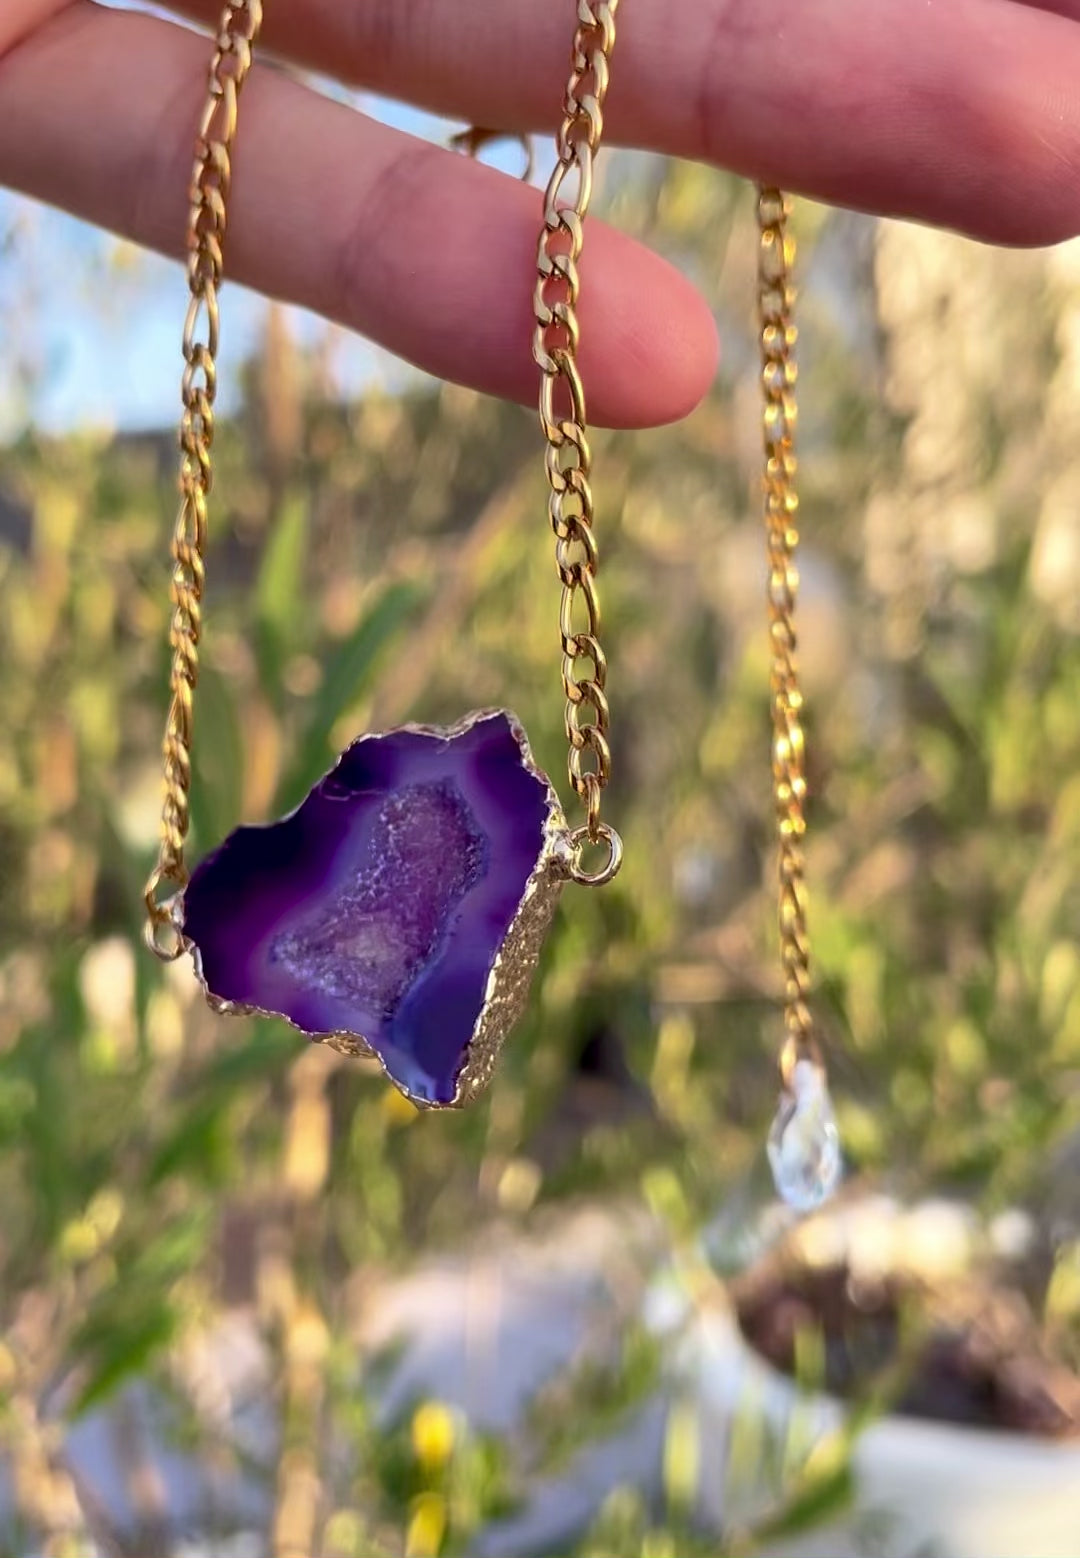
253,1303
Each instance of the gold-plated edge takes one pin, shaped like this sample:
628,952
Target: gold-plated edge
510,977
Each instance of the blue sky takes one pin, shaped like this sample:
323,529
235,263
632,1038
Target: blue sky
99,323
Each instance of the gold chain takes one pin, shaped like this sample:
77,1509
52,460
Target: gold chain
239,28
776,297
568,459
568,455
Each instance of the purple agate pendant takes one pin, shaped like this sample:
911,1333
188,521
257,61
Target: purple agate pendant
399,911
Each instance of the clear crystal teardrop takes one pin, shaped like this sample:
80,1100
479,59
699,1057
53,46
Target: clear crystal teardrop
804,1142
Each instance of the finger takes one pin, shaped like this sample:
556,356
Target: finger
1069,8
415,247
20,17
963,113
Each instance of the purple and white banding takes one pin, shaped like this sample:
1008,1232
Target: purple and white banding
379,907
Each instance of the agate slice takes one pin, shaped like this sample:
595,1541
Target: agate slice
400,910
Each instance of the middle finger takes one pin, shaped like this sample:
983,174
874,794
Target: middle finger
963,113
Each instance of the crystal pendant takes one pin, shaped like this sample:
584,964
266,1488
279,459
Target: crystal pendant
804,1142
400,910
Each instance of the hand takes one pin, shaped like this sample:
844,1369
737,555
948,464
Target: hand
958,112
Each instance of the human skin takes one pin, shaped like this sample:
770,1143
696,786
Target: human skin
961,113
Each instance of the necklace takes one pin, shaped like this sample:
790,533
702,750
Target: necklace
398,913
804,1143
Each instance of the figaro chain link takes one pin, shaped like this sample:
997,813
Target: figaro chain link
563,420
776,252
238,30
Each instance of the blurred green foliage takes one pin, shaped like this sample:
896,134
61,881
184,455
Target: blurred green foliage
389,559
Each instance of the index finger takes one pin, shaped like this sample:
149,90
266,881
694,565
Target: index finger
422,250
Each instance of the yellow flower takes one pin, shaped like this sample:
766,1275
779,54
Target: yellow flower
433,1434
427,1526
